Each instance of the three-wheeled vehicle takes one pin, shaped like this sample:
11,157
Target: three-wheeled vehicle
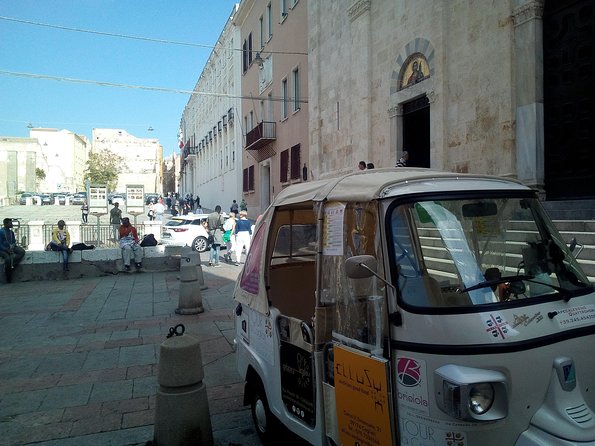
415,307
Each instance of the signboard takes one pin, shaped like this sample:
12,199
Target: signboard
361,392
98,199
332,229
297,382
135,198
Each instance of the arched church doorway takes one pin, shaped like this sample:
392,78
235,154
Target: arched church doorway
569,98
416,131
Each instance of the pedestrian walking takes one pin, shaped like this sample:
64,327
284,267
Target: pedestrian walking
234,207
85,213
115,220
243,235
215,220
229,236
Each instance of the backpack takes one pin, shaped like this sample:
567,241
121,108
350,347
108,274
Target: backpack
148,240
82,247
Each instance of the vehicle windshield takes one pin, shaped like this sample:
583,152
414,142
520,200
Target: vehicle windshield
451,253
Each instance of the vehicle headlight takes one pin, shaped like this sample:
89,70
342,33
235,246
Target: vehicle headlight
481,397
471,394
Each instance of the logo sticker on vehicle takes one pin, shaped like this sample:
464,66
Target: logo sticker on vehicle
408,372
412,385
499,327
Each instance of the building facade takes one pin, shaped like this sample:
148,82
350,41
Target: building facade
462,86
18,162
63,157
142,158
211,138
275,98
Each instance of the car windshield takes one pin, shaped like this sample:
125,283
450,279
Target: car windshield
450,253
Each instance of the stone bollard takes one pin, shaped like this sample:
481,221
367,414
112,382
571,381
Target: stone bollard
190,301
182,415
193,258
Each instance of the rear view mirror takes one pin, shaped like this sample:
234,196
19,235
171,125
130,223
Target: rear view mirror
361,267
482,209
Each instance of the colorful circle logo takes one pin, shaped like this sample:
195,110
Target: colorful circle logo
408,372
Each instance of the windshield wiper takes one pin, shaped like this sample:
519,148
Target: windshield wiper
566,294
498,281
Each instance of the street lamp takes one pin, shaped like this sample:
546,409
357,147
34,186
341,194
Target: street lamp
150,129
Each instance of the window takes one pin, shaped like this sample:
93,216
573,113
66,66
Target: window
296,89
285,98
249,49
244,56
261,25
270,20
283,9
248,179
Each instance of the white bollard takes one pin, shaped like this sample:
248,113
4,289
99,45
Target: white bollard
190,301
193,258
182,415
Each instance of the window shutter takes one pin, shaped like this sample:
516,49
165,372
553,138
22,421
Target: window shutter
295,162
284,166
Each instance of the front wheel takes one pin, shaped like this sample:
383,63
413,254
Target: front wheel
200,244
262,416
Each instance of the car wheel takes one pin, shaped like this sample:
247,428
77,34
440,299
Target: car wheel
264,420
200,244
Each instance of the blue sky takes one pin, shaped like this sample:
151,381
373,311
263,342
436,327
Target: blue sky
26,48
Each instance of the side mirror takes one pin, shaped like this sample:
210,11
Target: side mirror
361,267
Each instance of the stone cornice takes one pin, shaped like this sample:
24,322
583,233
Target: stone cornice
531,10
358,8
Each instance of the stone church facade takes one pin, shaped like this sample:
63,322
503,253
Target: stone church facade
460,85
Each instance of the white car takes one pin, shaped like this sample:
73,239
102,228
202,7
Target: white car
186,230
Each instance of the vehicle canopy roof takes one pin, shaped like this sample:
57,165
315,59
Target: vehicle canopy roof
372,184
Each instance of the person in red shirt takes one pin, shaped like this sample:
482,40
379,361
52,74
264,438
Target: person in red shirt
129,243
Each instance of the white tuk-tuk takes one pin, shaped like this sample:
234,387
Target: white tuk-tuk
415,307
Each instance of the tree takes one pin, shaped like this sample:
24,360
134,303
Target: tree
104,168
39,176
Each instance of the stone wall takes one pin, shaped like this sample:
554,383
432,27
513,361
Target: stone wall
357,57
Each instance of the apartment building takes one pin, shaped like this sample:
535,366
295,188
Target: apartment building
142,158
63,157
274,118
210,135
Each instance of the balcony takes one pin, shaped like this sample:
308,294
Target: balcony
259,138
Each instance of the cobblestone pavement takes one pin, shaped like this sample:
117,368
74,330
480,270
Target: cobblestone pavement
79,358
